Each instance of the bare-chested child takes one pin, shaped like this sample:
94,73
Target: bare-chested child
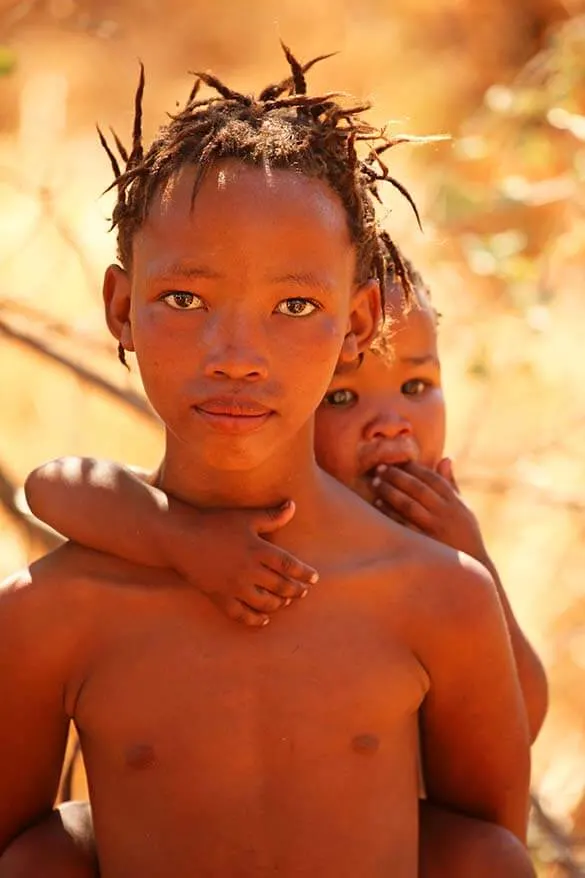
211,750
380,430
385,410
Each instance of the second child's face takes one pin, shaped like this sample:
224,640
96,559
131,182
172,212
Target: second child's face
385,411
239,307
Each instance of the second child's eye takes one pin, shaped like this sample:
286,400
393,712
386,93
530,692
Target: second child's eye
297,307
340,398
414,387
182,301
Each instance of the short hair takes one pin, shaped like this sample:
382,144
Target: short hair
283,127
415,294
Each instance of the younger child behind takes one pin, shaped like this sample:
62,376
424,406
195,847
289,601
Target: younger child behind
381,431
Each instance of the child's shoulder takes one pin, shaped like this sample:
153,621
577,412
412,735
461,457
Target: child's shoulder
49,583
443,595
38,621
437,580
57,590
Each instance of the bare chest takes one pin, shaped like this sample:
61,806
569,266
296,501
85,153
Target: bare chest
183,679
259,735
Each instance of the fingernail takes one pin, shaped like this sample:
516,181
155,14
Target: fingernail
314,578
304,593
378,503
382,468
288,602
265,622
376,481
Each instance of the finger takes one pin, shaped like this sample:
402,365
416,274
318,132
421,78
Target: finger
445,469
405,505
281,586
240,612
287,565
433,480
389,512
261,600
266,521
411,485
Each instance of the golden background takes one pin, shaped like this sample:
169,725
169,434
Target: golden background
503,250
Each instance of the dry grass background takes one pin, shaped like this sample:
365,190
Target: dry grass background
503,250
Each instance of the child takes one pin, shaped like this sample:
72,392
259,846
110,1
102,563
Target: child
380,430
380,418
250,260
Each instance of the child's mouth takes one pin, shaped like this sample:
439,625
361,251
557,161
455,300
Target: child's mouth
233,414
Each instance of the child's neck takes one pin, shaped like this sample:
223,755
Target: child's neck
291,473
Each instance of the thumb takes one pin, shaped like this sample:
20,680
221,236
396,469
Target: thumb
275,517
445,469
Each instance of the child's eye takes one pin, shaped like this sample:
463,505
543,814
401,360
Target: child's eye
340,398
182,301
297,307
414,387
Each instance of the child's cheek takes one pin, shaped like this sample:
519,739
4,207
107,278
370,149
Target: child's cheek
430,433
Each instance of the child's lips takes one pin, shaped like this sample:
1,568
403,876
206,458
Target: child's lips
233,414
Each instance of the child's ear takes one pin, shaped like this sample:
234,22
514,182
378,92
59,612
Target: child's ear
116,293
364,320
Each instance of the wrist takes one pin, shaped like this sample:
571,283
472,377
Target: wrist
178,525
164,525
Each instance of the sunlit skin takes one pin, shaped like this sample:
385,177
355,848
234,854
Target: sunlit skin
386,409
247,350
381,430
211,749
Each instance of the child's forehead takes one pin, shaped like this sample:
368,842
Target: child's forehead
229,178
234,190
278,223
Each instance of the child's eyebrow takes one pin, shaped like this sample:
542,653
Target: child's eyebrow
304,279
421,361
179,269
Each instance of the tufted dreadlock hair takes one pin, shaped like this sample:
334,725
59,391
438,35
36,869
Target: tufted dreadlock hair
284,127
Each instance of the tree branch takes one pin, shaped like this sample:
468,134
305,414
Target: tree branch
89,376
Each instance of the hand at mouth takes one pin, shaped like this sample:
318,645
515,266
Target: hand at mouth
397,455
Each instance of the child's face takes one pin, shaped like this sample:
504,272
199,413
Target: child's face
385,411
237,309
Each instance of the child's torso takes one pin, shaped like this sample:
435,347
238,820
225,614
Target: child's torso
215,750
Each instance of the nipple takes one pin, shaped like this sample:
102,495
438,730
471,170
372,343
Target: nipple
140,756
365,744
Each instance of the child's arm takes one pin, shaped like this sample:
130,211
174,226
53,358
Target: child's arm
430,502
107,507
34,724
475,749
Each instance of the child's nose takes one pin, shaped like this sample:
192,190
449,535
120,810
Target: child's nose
387,425
236,364
235,350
